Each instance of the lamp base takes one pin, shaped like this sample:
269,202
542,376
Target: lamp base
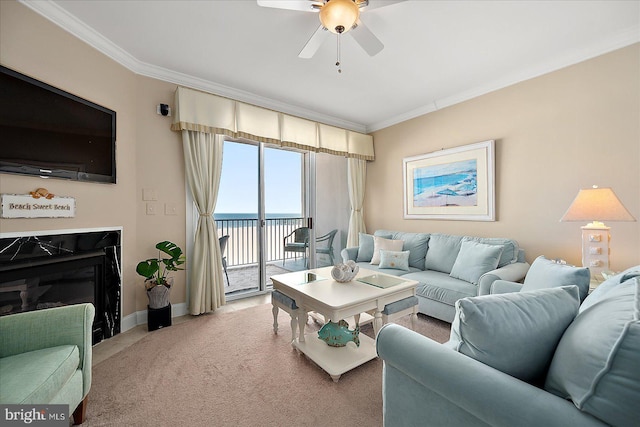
595,248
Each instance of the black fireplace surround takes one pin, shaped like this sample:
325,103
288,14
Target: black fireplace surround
52,270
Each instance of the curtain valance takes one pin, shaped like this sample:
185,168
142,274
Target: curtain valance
205,112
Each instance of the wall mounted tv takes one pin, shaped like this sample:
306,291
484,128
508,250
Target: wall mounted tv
51,133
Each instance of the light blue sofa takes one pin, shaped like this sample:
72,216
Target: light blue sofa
432,263
587,371
45,357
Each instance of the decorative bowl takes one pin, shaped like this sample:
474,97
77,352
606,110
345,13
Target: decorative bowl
345,272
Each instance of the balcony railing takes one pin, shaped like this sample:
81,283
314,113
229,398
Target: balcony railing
242,246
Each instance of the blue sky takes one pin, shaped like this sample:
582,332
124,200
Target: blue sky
239,183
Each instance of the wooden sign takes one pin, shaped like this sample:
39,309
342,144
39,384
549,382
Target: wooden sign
37,205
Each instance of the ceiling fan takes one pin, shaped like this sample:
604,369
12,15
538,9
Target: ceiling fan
337,17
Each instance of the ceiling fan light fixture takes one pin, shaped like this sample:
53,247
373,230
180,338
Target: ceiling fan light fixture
339,16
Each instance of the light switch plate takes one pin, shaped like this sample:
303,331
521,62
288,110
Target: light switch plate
170,209
149,194
152,208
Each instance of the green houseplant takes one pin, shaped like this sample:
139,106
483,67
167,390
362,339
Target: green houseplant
156,273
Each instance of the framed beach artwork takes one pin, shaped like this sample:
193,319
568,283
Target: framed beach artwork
454,184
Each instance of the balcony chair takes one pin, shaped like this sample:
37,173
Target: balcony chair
223,247
324,244
297,241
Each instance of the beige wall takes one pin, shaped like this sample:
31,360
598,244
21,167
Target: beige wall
554,134
148,153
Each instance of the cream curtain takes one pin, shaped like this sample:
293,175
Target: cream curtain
203,167
356,178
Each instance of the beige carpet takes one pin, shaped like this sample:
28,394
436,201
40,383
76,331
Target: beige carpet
231,370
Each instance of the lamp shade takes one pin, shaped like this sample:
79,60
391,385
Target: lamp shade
339,16
597,204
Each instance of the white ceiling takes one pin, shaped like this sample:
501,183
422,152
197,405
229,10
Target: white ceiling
437,53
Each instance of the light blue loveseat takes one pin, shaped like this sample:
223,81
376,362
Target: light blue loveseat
432,259
591,377
45,357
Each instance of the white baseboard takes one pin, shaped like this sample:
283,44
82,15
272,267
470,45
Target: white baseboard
140,317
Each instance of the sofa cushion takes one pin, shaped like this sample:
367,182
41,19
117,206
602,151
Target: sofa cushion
474,260
415,243
380,243
391,271
442,252
365,248
37,376
597,363
441,287
510,248
603,288
394,260
516,333
545,273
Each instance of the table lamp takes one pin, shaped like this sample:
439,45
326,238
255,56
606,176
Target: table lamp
596,205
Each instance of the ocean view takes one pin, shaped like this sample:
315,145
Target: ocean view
230,216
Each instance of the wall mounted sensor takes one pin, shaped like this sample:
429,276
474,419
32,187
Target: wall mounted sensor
163,109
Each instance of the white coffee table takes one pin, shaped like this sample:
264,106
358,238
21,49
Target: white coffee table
337,301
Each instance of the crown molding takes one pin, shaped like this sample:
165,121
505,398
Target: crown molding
79,29
622,39
71,24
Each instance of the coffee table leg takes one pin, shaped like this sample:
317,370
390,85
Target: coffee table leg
335,378
377,322
302,321
414,316
275,310
357,319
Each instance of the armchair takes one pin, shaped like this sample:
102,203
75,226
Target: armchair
297,241
545,273
45,357
223,247
324,244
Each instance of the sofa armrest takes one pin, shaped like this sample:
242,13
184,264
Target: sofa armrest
511,272
349,254
35,330
442,378
504,287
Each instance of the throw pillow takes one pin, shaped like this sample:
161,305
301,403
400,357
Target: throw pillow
510,252
516,333
365,248
545,273
394,260
380,243
475,259
597,362
442,252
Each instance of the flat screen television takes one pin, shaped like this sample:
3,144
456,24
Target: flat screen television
51,133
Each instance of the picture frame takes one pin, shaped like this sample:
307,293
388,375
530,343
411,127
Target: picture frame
452,184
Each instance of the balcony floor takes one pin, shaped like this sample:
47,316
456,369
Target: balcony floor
245,278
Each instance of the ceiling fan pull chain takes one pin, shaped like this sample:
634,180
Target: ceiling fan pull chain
338,54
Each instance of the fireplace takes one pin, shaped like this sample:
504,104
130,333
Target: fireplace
39,271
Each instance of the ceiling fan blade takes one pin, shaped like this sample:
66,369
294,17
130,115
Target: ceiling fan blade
366,39
314,43
303,5
376,4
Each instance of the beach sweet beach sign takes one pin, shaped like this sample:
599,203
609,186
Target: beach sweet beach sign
457,183
36,205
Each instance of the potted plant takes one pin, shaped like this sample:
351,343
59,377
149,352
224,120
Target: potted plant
156,273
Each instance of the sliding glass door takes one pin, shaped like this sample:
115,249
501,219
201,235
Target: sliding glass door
277,211
262,208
